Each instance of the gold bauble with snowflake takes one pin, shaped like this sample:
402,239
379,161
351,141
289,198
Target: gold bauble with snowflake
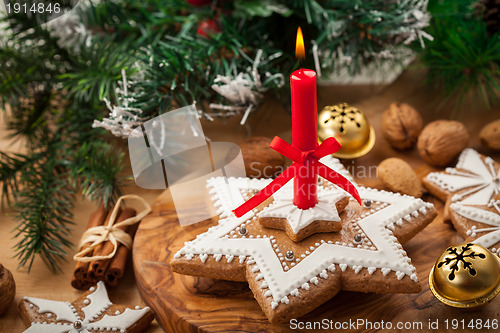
349,126
465,276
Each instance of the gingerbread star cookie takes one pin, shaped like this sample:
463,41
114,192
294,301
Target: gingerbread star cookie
471,191
92,312
479,224
474,181
290,278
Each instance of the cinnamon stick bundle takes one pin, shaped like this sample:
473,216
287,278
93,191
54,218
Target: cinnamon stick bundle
87,274
117,265
91,274
99,267
81,268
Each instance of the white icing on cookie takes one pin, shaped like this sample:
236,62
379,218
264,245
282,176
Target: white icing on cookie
99,302
49,328
122,321
227,195
314,280
482,216
66,315
335,164
64,311
473,173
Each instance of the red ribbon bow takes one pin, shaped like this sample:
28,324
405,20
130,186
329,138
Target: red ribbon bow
300,158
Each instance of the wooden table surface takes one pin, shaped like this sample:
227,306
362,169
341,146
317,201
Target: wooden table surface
268,121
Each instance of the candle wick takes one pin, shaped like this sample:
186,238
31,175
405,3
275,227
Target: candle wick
300,63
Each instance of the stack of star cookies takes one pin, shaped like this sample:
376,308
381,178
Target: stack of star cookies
294,260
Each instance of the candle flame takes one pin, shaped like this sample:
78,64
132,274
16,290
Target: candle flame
300,52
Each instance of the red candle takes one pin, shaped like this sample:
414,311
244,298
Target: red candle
304,151
304,128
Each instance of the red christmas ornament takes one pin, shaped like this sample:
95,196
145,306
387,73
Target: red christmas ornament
198,2
207,28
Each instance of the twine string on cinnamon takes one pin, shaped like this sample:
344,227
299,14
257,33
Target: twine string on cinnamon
110,232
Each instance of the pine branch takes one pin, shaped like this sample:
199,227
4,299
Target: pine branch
180,70
150,19
97,69
44,212
65,154
29,117
95,169
463,58
11,168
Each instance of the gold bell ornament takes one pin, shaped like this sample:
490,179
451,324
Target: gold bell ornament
465,276
349,126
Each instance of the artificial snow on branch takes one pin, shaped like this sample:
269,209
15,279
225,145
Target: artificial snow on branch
243,90
122,119
70,31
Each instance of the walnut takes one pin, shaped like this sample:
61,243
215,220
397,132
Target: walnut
401,125
441,141
7,289
490,135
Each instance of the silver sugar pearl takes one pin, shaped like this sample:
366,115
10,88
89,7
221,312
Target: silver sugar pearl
242,230
77,325
357,238
368,203
289,255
